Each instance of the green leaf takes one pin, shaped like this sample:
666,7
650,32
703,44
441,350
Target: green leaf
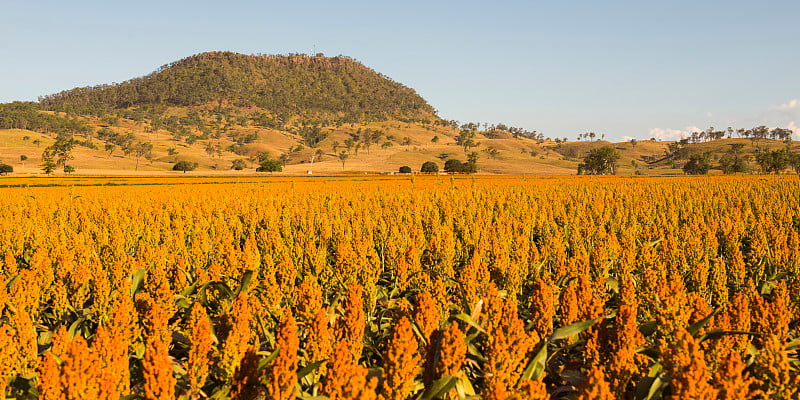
182,302
612,283
572,329
265,361
648,328
695,327
76,326
136,281
536,367
309,369
439,388
650,386
244,283
471,322
654,242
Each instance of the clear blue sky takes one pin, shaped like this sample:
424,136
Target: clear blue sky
625,69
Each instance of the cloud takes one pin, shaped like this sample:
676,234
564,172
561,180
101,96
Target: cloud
795,129
673,134
793,104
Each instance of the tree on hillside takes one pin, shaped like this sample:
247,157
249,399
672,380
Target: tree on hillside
142,149
110,149
773,161
794,161
456,166
61,149
283,158
238,164
6,169
210,149
23,158
343,157
405,169
600,161
184,166
349,143
270,166
429,167
316,155
466,139
48,162
698,164
68,169
472,158
732,161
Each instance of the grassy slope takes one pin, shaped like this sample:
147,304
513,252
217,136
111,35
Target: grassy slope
514,154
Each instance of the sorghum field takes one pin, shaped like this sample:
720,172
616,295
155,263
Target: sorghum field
400,288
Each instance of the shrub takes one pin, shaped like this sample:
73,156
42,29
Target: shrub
698,164
238,164
270,166
600,161
455,166
184,166
405,169
6,169
429,167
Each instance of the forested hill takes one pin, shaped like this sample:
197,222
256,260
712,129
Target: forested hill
284,86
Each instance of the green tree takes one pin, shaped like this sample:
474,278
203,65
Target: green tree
61,150
6,169
270,166
48,162
142,149
238,164
23,158
284,158
210,149
773,161
405,169
317,155
349,144
600,161
698,164
455,166
343,157
732,161
184,166
68,169
110,149
429,167
794,161
452,166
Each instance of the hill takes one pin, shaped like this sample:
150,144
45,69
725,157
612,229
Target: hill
335,88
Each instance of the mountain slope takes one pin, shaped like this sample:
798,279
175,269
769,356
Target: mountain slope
283,86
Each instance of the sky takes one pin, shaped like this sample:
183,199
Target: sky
623,69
